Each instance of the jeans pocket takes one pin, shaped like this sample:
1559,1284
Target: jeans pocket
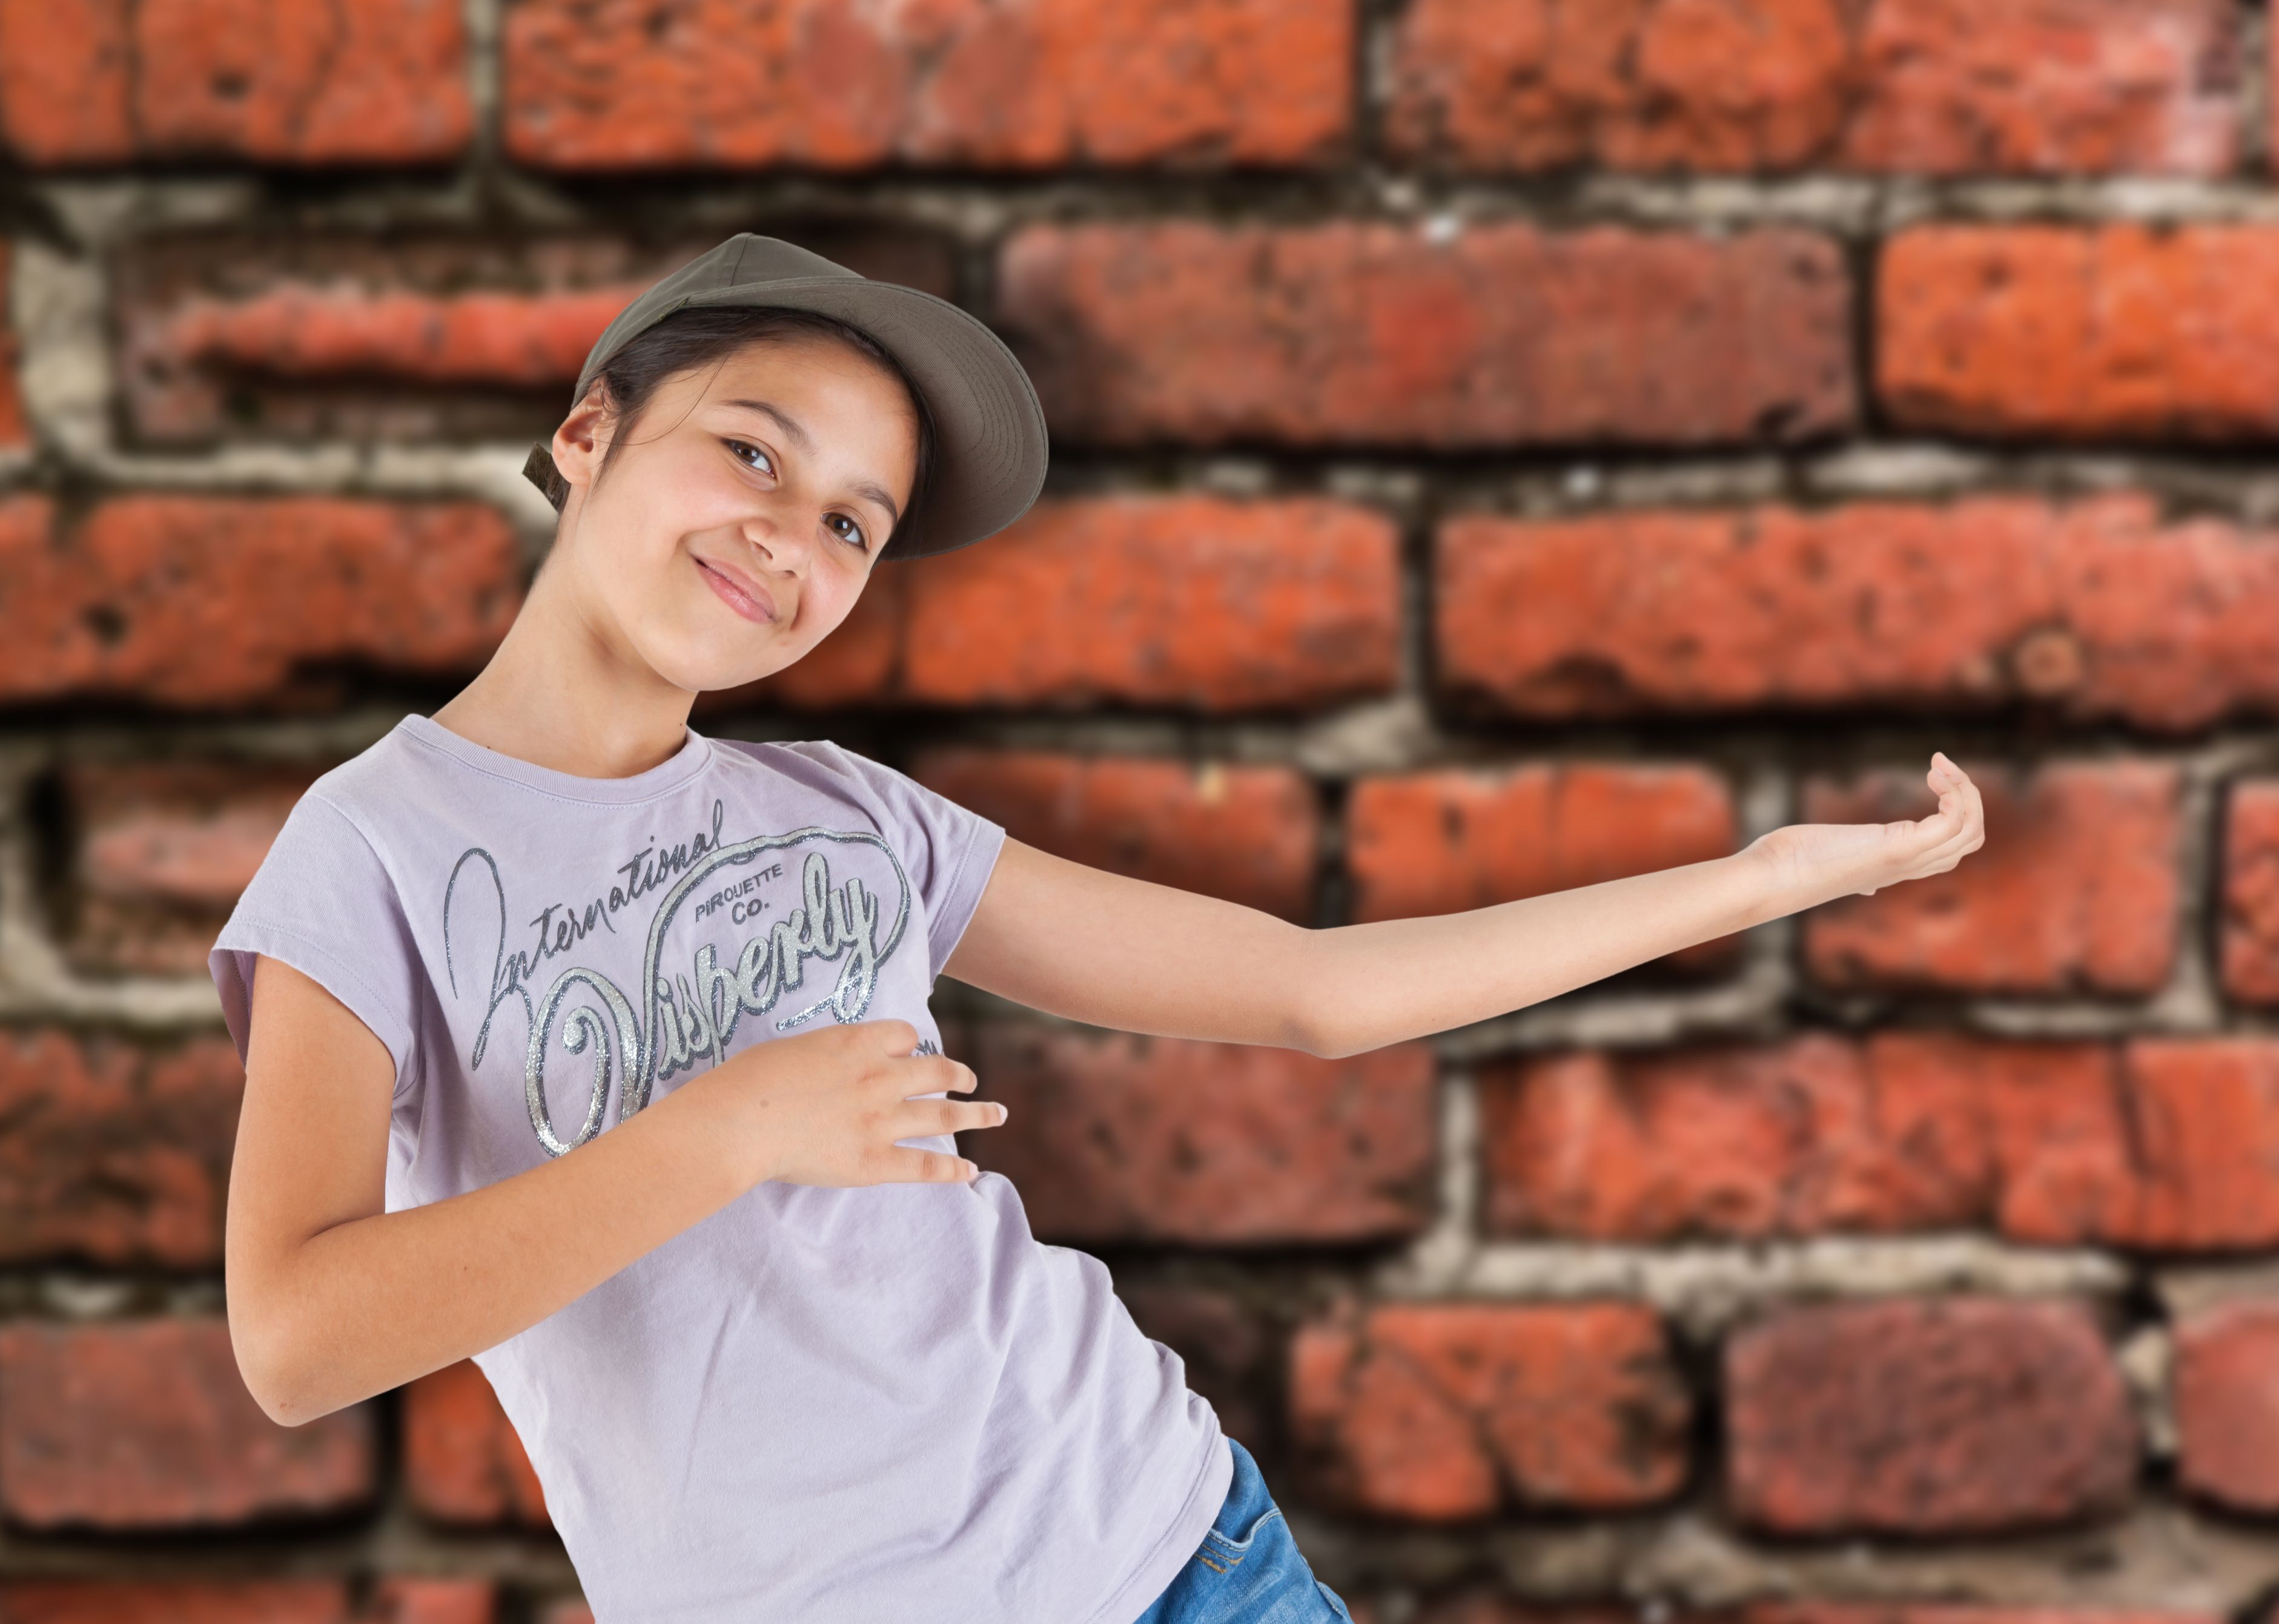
1231,1538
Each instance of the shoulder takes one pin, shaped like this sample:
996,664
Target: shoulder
348,811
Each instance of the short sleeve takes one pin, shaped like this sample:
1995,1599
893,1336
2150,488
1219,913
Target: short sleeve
948,850
323,902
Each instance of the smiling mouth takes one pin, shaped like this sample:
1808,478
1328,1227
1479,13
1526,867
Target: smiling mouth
752,604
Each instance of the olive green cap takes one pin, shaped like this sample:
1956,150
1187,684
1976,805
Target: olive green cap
990,445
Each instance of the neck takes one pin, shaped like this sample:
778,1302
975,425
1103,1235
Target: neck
562,693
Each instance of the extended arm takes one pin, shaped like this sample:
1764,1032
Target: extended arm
1099,947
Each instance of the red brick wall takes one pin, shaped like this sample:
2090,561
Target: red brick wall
1500,445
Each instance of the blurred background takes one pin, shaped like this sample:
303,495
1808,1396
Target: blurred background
1499,445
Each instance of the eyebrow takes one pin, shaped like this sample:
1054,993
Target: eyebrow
796,432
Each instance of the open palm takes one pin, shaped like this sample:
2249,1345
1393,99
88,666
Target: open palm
1834,860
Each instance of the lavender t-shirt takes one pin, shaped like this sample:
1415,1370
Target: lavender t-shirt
873,1404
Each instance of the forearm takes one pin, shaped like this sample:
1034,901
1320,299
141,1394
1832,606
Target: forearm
368,1305
1366,986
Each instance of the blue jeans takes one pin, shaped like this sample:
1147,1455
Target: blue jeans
1247,1570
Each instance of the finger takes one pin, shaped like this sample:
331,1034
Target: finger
950,1116
906,1165
930,1074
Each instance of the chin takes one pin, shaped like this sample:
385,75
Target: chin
701,667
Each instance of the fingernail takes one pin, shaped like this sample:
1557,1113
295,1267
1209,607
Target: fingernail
1002,1113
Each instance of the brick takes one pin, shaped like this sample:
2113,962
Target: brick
1229,1355
1727,1143
1927,87
1437,842
2154,1145
175,1601
2077,890
162,851
1489,1606
1445,1412
394,1599
1191,601
1113,1138
741,83
2227,1404
463,1461
402,1598
147,1424
12,429
1942,1416
1368,333
2250,941
2093,611
1248,834
189,602
421,335
117,1153
266,81
1907,1612
2205,1128
2080,332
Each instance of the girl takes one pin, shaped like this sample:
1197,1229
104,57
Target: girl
667,1145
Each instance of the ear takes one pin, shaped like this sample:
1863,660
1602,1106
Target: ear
580,441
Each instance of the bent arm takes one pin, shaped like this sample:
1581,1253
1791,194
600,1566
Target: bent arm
332,1299
1099,947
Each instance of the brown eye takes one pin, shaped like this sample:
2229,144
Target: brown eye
853,533
737,448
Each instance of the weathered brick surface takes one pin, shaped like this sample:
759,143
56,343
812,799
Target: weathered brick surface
116,1152
739,83
162,850
2094,610
1932,87
422,335
1950,1613
147,1424
2073,333
208,600
2157,1145
1445,1411
2250,939
1193,601
1365,333
14,430
2226,1386
1116,1137
176,1601
1925,1417
1230,1357
1437,842
394,1599
1248,834
2077,890
269,81
463,1461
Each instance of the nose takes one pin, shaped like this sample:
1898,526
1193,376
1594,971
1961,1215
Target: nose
776,546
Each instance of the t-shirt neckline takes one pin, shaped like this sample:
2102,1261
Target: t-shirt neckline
694,753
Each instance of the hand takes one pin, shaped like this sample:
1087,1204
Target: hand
1813,862
825,1107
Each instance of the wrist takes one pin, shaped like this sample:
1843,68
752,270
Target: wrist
1783,880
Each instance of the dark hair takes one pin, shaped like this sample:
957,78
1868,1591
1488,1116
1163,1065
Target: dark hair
690,339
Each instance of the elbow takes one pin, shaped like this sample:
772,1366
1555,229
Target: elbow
272,1372
1322,1027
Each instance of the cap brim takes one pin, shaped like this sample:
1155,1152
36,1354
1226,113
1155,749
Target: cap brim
990,446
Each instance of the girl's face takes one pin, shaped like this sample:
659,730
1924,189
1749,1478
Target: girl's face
739,523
